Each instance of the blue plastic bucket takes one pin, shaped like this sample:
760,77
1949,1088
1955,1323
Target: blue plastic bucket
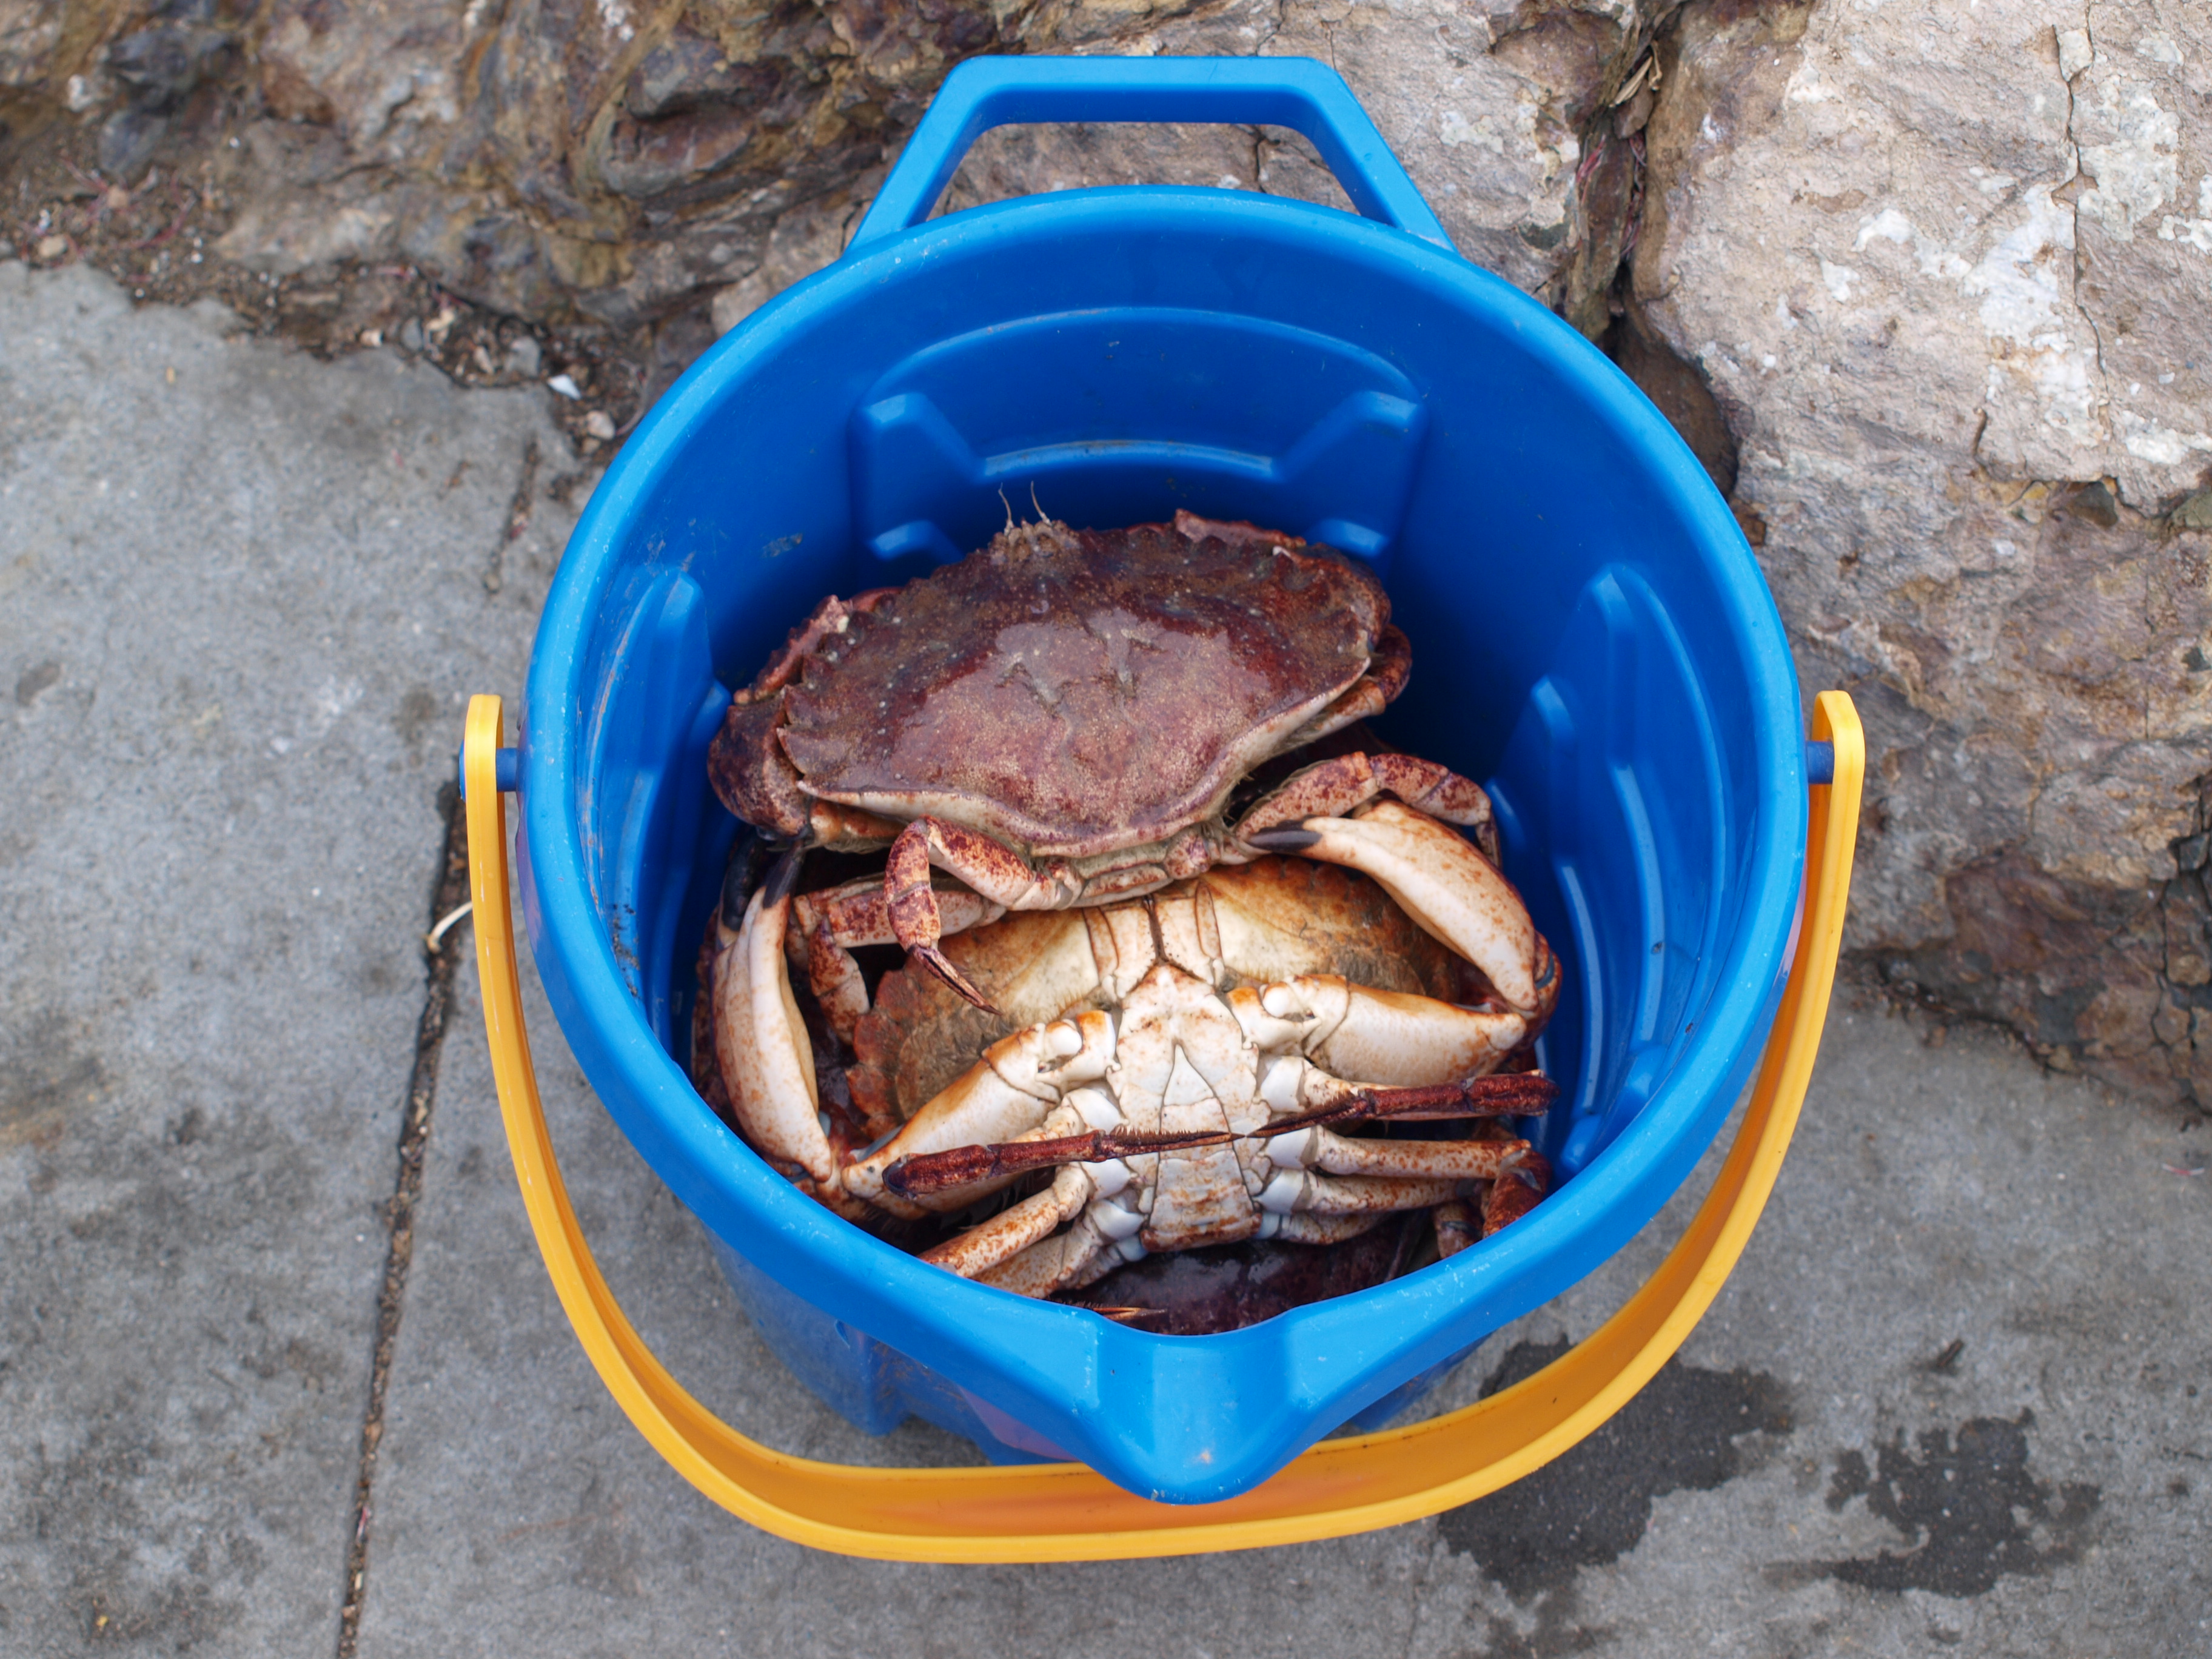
1590,637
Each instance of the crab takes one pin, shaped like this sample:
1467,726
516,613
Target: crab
1060,720
1184,1063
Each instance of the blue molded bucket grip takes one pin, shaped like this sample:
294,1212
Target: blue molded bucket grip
1299,92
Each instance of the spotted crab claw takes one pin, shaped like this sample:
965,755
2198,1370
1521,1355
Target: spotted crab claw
1334,787
1446,885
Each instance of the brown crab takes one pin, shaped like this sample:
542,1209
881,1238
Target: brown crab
1060,718
1183,1062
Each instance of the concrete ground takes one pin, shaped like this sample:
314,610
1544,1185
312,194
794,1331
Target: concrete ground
1950,1402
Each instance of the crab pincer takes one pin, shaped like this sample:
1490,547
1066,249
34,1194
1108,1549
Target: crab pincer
1454,891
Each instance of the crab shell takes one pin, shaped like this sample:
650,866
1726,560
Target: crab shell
1005,694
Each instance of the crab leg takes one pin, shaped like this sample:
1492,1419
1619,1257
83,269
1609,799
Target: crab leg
1302,1191
1297,1090
1395,1160
766,1060
840,829
919,1177
1387,669
992,868
1065,1262
1456,1228
826,926
1304,1227
1447,888
1014,1230
1331,788
1515,1193
1013,1092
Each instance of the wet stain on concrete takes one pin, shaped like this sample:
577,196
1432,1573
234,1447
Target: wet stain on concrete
1968,1505
1594,1505
48,1072
416,717
1555,1632
34,681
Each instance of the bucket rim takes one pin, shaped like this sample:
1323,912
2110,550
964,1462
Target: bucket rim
1048,1362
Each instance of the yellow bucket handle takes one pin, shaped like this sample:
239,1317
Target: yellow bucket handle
1066,1512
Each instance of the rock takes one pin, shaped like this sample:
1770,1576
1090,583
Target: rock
157,67
161,63
804,241
1946,282
128,139
30,32
387,75
597,160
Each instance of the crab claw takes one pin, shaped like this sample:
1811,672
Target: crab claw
1445,885
991,869
1007,1094
761,1044
941,965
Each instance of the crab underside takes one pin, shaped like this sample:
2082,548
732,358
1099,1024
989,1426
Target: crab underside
1193,1068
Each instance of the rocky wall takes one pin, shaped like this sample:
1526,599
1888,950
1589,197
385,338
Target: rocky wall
1928,287
1949,272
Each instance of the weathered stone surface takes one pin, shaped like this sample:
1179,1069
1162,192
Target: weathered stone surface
1945,273
624,162
30,30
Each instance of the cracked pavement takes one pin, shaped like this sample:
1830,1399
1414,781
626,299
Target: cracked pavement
1950,1399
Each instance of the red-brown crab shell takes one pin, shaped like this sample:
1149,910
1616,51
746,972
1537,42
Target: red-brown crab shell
1006,693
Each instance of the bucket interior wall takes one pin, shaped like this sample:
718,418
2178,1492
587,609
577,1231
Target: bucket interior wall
1589,637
